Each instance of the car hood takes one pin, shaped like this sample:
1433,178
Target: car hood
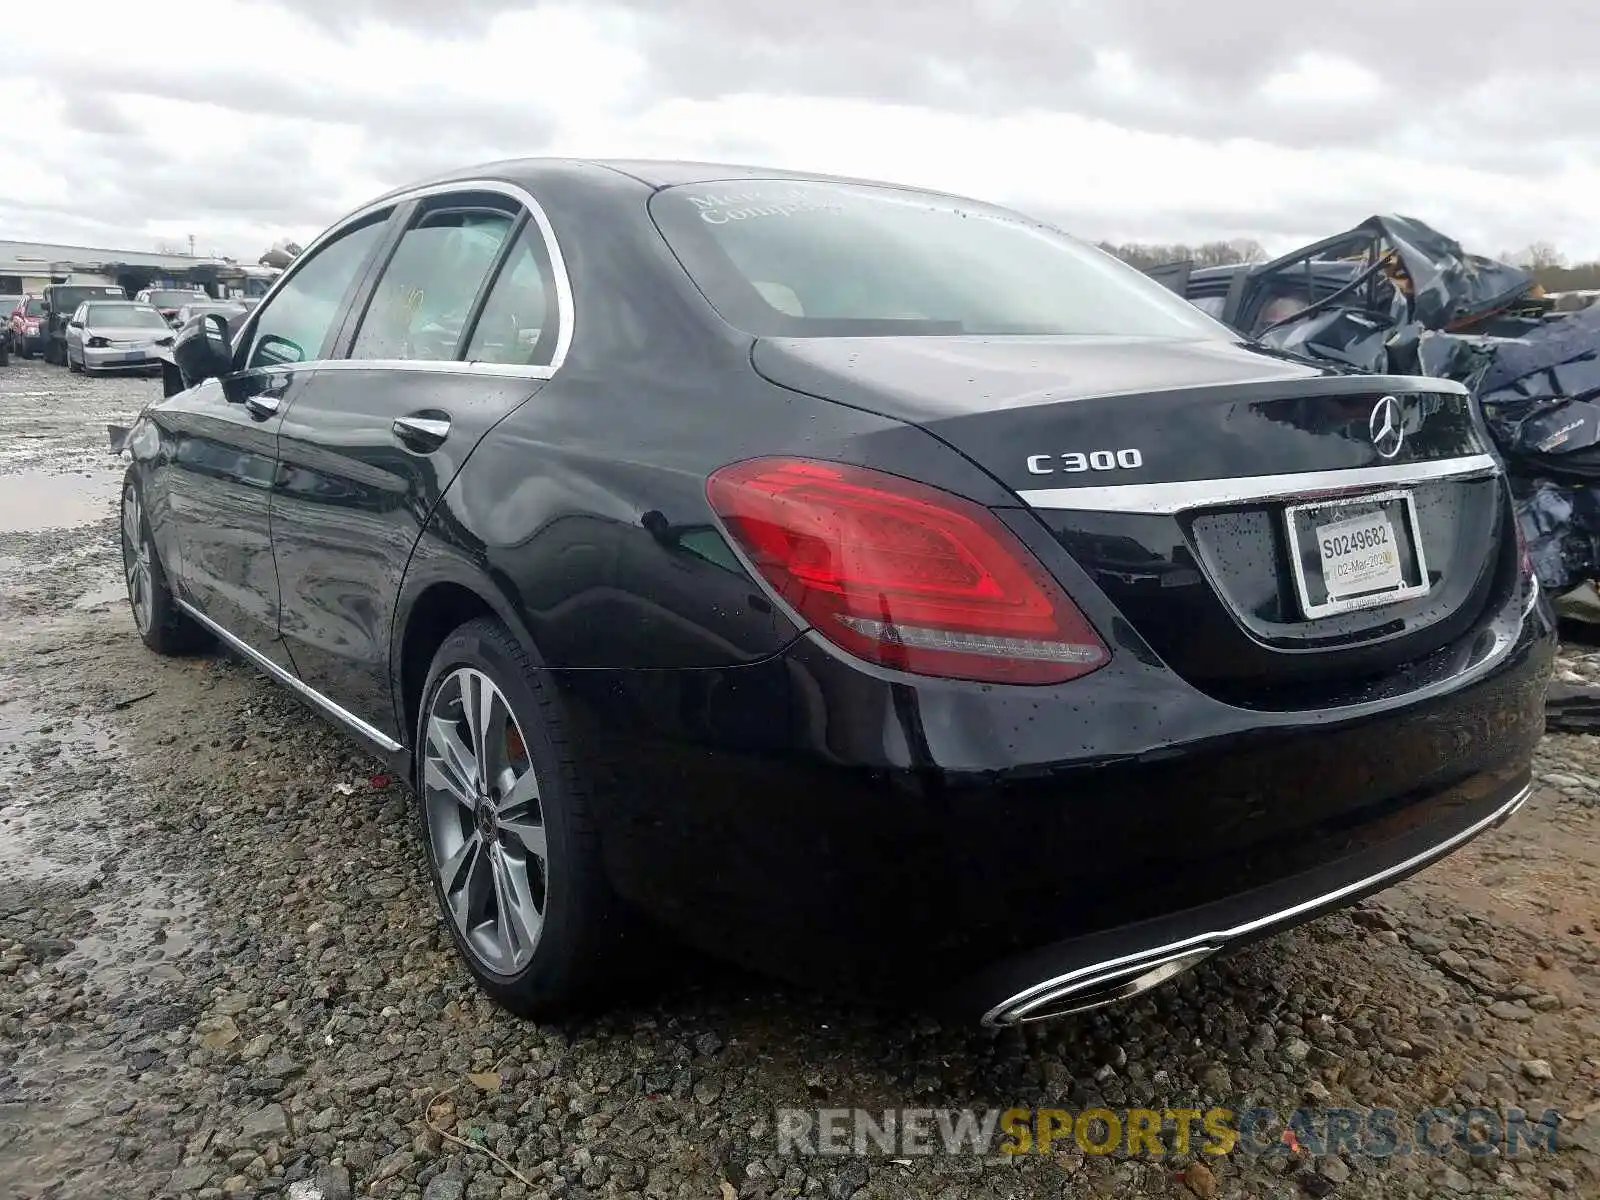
126,333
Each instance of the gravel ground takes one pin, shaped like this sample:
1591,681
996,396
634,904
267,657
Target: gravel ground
220,974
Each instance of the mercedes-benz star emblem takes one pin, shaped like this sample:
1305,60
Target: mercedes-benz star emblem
1388,433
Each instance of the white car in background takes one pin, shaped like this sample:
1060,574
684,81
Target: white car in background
116,335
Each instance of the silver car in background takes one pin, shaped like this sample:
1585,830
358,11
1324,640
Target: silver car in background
229,310
111,335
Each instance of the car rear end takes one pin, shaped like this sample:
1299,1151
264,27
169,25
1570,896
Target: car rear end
1185,758
1219,641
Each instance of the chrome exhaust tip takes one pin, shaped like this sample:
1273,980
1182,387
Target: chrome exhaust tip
1094,988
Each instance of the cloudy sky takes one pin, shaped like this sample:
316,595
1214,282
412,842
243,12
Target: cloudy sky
128,124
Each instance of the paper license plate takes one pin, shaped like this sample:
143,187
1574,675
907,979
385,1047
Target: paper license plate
1356,552
1359,554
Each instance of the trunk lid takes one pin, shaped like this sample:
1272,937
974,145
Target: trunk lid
1199,483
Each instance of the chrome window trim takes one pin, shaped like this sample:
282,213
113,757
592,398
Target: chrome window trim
436,366
1015,1009
317,699
566,315
1169,498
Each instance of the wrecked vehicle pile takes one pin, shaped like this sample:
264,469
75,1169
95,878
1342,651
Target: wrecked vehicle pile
1394,296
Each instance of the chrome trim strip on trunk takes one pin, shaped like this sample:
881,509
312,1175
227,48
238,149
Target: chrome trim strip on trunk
343,716
1171,498
1010,1011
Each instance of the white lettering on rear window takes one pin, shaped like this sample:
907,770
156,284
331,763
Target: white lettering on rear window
720,208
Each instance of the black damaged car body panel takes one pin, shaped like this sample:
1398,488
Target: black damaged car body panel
1395,295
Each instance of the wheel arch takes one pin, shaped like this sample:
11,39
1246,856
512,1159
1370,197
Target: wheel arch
434,603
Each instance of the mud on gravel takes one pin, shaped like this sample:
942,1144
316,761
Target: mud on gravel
221,974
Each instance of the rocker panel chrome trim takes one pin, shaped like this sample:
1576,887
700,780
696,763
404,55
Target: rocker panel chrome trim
343,716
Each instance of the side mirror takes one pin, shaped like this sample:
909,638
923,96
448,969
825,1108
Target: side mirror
273,350
201,350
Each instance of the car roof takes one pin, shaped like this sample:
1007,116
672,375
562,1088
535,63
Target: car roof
651,173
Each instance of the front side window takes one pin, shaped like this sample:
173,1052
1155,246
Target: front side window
294,325
808,259
424,297
518,324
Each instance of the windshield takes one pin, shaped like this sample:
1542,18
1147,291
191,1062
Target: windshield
172,299
800,258
65,299
125,316
34,308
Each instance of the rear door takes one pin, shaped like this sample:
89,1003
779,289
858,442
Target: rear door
220,443
458,329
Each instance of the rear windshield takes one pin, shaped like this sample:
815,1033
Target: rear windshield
127,316
800,258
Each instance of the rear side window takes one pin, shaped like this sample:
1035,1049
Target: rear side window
292,327
424,297
810,259
518,324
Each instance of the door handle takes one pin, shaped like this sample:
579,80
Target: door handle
422,433
263,405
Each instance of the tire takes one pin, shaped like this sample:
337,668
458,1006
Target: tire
571,956
72,366
162,625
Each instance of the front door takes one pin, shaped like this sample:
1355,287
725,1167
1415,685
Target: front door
458,331
220,445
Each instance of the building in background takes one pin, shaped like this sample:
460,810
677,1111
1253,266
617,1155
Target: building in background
28,267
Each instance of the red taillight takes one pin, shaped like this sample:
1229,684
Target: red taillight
904,574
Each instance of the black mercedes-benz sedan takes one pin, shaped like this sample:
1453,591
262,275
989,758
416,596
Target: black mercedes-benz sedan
868,585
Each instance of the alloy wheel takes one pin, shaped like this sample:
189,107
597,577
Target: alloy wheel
485,823
136,560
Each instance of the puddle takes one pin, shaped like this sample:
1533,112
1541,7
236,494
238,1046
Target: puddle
32,501
138,938
52,774
112,591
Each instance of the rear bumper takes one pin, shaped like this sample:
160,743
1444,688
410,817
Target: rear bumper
1091,972
897,838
